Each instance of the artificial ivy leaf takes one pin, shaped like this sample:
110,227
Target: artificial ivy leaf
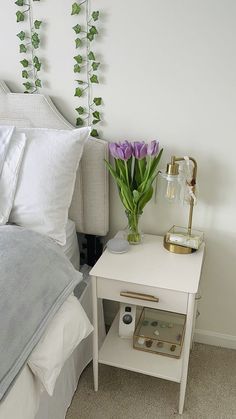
96,115
37,24
75,9
95,121
25,74
97,101
94,79
80,110
78,59
95,15
94,133
79,122
78,92
95,65
78,43
19,2
93,30
91,56
20,17
23,48
21,35
90,36
37,63
27,85
77,28
25,63
38,83
77,68
80,81
35,40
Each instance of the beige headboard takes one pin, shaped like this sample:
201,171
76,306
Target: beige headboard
89,207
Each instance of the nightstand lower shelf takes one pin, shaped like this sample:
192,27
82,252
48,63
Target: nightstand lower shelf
119,352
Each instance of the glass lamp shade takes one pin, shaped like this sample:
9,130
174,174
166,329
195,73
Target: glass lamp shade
170,187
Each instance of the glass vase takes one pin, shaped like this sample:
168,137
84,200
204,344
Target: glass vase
134,235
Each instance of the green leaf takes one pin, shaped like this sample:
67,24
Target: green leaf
75,9
37,24
78,92
78,59
77,68
95,66
80,110
145,198
19,2
77,28
20,17
94,133
27,85
97,101
90,36
79,122
91,56
96,115
80,81
22,48
37,63
93,30
35,40
38,83
25,74
95,121
136,196
94,79
95,15
21,35
25,63
78,43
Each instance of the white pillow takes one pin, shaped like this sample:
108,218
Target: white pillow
5,138
68,328
10,173
47,179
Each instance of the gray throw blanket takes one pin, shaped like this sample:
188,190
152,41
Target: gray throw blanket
35,279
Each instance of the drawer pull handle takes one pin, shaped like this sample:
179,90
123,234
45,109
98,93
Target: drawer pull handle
139,296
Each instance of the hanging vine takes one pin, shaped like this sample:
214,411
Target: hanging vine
29,43
86,65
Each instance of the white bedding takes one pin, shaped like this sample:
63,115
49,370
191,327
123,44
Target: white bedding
22,402
71,248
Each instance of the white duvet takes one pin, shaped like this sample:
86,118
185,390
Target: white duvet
68,328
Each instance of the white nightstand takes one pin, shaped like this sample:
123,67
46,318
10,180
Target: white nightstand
151,270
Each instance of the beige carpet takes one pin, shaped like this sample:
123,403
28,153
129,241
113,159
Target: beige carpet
211,391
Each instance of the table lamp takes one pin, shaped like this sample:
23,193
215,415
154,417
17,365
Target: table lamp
181,240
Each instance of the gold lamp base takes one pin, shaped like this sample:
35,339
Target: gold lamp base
176,248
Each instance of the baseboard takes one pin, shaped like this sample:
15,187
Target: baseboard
213,338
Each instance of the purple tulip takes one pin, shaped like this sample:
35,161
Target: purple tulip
140,150
113,150
153,148
122,151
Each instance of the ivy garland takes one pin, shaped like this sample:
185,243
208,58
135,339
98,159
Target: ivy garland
29,42
86,65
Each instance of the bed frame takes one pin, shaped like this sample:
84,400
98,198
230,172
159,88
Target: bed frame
89,207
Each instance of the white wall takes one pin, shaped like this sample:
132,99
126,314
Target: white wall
169,73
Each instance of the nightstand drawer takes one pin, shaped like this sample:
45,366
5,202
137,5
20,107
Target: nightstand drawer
142,295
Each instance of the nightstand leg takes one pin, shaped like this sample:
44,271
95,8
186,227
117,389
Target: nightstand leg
186,350
95,333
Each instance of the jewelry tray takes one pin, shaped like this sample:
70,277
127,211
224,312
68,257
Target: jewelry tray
160,332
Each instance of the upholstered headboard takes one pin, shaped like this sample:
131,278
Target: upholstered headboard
89,207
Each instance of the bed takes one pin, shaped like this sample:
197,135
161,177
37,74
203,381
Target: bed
88,214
